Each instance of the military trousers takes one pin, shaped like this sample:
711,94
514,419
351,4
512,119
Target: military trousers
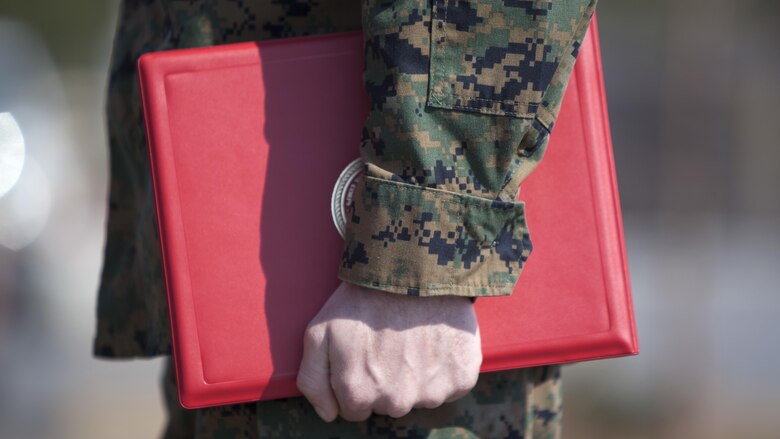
515,404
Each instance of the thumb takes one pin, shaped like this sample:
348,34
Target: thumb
314,374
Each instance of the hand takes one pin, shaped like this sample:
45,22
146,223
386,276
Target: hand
370,350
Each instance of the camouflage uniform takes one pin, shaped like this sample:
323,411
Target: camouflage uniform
522,403
464,94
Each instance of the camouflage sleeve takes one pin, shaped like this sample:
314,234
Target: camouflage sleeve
464,94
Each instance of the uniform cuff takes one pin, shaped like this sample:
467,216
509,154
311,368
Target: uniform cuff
409,239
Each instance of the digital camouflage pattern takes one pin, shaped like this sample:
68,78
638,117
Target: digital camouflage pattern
132,311
517,404
464,94
436,212
478,244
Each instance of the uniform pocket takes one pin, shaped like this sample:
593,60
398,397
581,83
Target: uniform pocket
496,56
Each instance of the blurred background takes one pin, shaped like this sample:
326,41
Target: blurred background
693,94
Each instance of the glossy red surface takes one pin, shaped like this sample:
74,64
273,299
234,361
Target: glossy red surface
246,142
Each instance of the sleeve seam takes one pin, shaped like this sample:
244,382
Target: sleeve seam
373,284
462,198
443,287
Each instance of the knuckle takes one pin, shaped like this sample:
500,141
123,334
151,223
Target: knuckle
433,395
358,401
467,375
399,411
354,398
355,403
458,392
472,379
467,383
463,383
399,407
430,402
462,387
314,335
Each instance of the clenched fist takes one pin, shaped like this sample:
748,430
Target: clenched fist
370,350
